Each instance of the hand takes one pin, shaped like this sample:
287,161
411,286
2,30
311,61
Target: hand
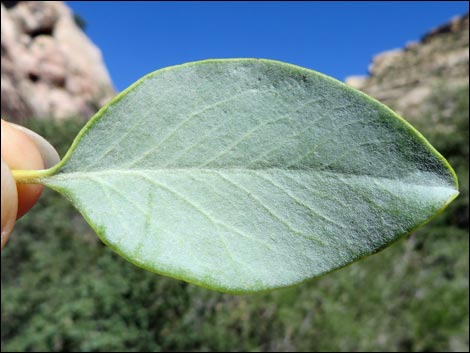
21,149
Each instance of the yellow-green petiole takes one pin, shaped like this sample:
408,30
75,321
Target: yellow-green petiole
30,176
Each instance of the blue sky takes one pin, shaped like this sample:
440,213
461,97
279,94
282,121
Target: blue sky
336,38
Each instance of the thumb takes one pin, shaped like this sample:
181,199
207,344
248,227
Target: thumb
9,203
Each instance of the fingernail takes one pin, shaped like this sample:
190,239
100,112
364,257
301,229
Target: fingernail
48,153
9,198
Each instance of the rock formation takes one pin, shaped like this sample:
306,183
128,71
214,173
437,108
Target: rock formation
405,78
50,69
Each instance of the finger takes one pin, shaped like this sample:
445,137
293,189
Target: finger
9,203
20,152
49,155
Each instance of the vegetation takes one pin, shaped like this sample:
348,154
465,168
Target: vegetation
80,21
62,290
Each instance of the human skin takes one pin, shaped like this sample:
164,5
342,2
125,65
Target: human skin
20,150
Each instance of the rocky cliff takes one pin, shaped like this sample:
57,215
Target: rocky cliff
49,67
405,78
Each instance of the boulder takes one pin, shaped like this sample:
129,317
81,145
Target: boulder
49,67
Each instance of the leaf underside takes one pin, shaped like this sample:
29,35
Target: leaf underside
245,175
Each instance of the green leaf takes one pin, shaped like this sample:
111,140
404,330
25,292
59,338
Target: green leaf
245,175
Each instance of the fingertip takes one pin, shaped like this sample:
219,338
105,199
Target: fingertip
19,151
48,153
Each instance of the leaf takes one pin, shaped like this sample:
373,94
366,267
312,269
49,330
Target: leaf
245,175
